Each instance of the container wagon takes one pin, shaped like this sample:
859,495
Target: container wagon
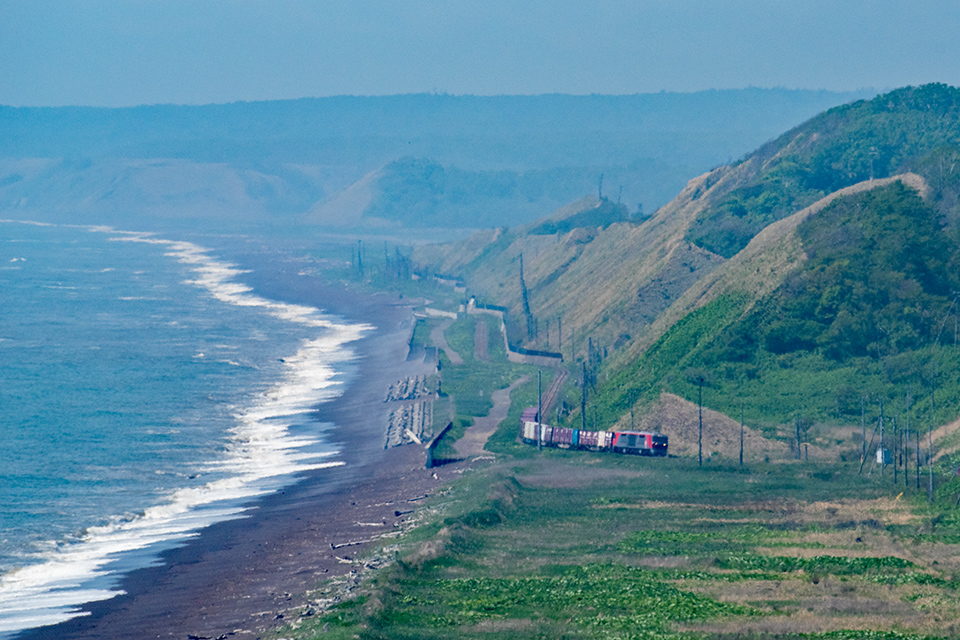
643,443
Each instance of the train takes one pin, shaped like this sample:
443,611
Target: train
644,443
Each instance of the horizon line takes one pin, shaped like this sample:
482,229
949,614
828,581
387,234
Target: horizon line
444,94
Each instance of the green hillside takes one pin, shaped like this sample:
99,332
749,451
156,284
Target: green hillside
861,317
815,277
799,289
911,129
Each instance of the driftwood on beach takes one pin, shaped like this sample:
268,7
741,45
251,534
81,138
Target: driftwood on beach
411,422
410,388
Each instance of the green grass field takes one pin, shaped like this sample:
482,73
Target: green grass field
575,544
590,545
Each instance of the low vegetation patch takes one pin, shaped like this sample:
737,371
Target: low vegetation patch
565,546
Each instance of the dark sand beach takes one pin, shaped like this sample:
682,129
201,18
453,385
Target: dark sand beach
240,577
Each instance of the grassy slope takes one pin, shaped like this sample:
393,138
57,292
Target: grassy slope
579,545
586,545
724,320
624,287
589,278
574,544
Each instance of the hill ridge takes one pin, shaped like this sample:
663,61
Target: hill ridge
762,248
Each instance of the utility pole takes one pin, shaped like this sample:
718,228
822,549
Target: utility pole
905,453
741,433
918,459
600,188
896,453
700,432
863,430
933,411
872,436
539,410
583,398
930,461
883,450
907,463
796,423
933,391
631,418
531,327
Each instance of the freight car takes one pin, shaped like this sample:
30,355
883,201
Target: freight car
636,442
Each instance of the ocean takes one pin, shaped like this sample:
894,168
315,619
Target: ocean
145,393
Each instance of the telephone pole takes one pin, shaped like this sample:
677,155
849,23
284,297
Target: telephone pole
741,433
539,410
700,432
896,452
796,424
863,430
883,450
930,460
583,398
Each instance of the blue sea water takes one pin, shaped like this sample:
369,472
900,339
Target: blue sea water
144,393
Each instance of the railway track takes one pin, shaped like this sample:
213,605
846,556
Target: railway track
553,391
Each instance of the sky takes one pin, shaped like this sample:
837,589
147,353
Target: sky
129,52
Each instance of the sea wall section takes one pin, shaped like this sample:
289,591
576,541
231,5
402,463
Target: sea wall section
517,355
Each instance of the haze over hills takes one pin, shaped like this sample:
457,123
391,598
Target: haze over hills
818,270
373,162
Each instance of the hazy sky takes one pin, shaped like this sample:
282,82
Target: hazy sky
124,52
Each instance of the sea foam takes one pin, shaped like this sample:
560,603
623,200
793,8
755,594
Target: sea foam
261,453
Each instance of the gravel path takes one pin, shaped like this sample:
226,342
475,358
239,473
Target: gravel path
472,443
480,337
436,335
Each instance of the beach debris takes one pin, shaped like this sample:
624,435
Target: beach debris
397,514
347,586
350,544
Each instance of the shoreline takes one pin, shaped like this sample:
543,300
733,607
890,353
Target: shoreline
237,577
